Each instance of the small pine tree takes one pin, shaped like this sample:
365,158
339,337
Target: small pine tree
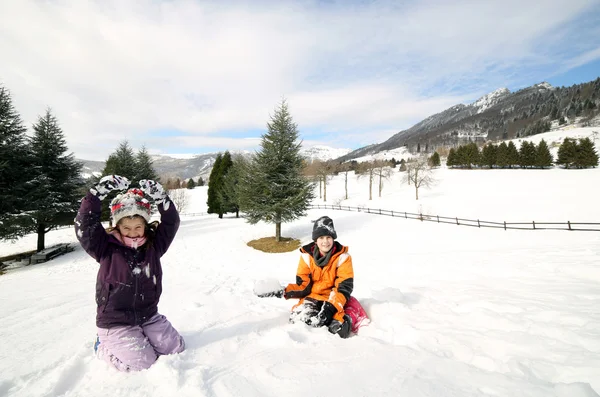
488,155
273,189
502,155
434,160
450,160
512,155
567,153
191,184
527,154
214,181
586,154
144,167
543,158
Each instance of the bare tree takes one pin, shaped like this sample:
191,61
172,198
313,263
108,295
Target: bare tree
180,198
383,171
419,173
345,169
367,169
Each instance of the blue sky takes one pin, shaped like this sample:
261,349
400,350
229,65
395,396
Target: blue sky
190,76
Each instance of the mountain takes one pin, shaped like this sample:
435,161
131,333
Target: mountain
200,165
323,153
499,115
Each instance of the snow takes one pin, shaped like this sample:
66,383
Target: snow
490,99
455,311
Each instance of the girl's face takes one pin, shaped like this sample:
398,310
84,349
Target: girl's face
132,227
324,243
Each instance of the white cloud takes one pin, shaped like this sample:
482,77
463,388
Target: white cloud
114,70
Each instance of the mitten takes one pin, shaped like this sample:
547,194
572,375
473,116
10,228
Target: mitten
154,190
326,314
109,183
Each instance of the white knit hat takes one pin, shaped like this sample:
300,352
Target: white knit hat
129,204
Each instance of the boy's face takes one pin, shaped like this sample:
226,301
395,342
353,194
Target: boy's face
132,227
324,243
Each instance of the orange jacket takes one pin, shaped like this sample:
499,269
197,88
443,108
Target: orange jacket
333,282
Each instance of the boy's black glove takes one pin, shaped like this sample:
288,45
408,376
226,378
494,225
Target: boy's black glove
326,314
277,294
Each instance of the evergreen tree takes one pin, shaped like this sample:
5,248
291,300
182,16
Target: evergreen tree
14,171
512,155
543,157
527,154
450,161
227,197
191,184
54,195
586,154
434,160
214,182
488,155
502,155
200,181
471,155
567,153
229,193
121,162
143,167
273,189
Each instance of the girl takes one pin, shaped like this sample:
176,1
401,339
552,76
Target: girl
131,332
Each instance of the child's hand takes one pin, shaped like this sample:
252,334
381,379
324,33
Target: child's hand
154,190
109,183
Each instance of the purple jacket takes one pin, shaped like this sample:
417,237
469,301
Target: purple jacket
129,281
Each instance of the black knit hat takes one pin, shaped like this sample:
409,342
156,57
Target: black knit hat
323,227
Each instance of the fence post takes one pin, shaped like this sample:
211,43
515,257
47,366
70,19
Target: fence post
392,213
478,224
533,225
569,223
504,225
406,216
380,211
457,221
438,218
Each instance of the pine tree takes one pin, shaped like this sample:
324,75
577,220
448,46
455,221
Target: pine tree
512,155
502,155
54,195
229,192
214,182
144,166
543,157
121,162
450,161
586,154
274,190
434,160
488,155
527,154
567,153
227,197
14,171
191,184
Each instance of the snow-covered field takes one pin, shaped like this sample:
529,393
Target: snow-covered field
456,311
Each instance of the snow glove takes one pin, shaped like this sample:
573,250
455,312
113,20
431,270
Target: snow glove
108,184
276,294
326,314
154,190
